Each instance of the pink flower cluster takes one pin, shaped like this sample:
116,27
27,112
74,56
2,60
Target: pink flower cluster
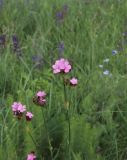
39,98
18,110
61,65
31,156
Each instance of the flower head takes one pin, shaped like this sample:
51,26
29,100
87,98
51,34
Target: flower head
18,109
39,98
29,116
106,72
73,81
31,156
106,60
114,52
41,101
100,66
61,65
41,94
2,40
59,16
61,13
16,46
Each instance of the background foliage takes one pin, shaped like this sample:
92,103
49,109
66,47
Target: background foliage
89,31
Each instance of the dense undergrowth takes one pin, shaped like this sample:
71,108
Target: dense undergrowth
85,122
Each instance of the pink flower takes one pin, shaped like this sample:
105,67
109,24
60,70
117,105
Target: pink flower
73,81
18,109
29,116
42,101
41,94
39,99
61,65
31,156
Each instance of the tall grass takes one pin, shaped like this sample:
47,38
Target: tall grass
90,122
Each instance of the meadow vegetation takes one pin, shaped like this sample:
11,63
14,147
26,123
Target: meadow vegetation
86,121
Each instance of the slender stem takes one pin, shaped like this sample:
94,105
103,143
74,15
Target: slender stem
34,143
69,129
68,118
33,140
65,93
46,128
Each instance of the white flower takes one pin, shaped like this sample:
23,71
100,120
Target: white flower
106,60
100,66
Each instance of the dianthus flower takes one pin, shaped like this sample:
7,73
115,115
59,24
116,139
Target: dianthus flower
39,99
73,81
31,156
18,109
61,65
29,116
41,94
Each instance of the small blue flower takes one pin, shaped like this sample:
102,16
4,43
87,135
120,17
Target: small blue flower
114,52
106,72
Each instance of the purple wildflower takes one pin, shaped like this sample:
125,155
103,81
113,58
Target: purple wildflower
60,15
65,8
2,40
16,46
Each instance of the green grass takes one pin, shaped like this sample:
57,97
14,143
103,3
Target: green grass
90,122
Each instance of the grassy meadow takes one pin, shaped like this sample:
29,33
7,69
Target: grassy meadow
87,121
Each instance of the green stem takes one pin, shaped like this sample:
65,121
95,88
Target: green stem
68,118
47,134
69,129
33,140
